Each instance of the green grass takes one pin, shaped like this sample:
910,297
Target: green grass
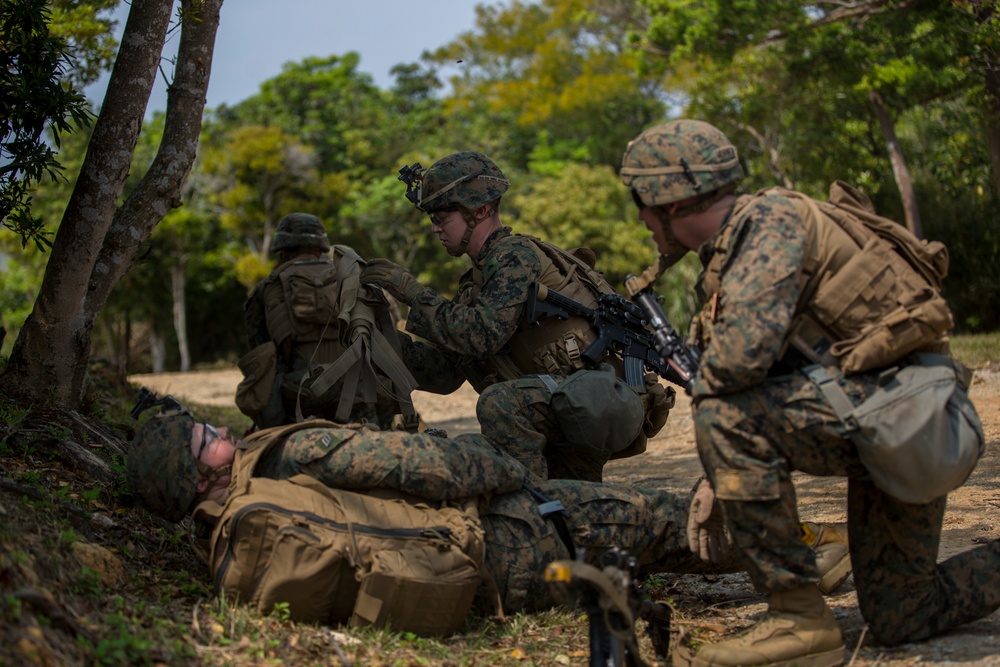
977,350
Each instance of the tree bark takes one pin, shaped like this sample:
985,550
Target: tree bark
96,244
992,84
899,170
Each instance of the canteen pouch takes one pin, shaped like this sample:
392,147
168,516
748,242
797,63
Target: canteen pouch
919,435
427,591
259,367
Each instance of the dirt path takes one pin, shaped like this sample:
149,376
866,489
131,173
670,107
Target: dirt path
671,462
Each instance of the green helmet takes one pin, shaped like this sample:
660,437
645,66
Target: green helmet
679,160
466,179
160,471
300,230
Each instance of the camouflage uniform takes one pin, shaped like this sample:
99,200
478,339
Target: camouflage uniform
480,335
520,542
757,421
476,325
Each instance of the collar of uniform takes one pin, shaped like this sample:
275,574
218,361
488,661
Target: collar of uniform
490,242
708,249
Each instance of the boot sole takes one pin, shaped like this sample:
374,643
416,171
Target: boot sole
826,659
832,580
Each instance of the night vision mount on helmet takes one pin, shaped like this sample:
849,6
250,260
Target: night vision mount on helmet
462,181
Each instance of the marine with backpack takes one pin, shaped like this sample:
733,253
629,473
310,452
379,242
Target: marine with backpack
321,344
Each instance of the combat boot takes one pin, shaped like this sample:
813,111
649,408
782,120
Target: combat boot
833,556
797,630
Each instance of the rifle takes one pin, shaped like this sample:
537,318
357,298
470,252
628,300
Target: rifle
674,351
613,601
621,328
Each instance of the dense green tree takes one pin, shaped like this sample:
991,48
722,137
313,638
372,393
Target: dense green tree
88,29
97,240
33,102
867,61
553,72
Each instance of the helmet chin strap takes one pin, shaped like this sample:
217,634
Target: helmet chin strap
471,222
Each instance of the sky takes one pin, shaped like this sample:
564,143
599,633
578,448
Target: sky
257,37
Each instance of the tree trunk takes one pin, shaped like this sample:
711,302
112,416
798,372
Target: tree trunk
899,169
992,84
157,351
96,244
177,280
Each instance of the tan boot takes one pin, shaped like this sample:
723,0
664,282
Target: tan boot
798,630
833,556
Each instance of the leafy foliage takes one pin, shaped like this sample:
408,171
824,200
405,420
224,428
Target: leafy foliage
32,100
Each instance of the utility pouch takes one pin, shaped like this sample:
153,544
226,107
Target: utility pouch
259,367
597,410
918,434
426,590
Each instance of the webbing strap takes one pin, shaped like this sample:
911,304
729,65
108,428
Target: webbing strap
554,511
834,394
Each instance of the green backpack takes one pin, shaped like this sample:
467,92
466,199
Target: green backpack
337,557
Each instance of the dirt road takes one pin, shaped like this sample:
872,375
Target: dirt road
671,462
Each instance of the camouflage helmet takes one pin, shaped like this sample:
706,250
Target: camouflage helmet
678,160
160,471
466,179
300,230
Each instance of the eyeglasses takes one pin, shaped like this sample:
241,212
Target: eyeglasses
434,215
207,429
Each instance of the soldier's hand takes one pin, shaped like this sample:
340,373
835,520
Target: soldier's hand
393,278
656,403
706,530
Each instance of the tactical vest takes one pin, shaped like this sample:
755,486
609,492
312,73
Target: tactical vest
871,291
327,327
553,346
332,556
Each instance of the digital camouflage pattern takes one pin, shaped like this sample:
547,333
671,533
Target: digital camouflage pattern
300,230
753,431
476,325
678,160
466,179
415,463
650,525
159,468
517,417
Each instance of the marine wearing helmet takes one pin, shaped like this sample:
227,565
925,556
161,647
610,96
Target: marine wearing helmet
299,230
161,470
680,168
463,181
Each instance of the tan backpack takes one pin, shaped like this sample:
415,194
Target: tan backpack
331,556
886,301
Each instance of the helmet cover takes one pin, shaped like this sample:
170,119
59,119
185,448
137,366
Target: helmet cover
679,160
